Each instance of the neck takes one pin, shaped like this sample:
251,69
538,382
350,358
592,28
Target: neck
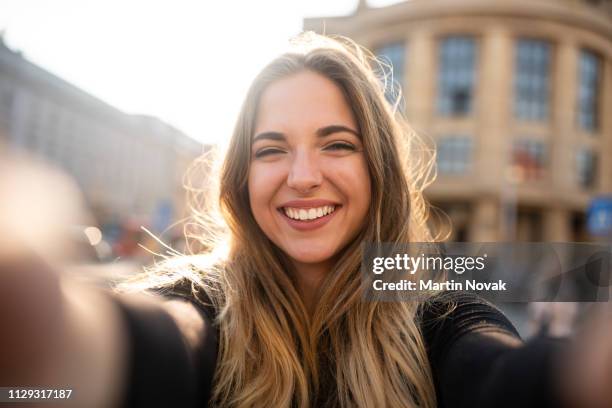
308,280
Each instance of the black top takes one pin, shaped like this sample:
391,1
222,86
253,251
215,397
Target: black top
476,355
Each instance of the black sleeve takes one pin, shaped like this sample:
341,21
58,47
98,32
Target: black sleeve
206,353
161,371
479,360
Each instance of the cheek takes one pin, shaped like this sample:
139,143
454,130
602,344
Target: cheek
257,192
363,189
353,179
263,182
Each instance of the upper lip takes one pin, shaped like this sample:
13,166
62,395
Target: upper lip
308,203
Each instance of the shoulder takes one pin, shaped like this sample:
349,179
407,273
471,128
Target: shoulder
191,292
462,311
448,316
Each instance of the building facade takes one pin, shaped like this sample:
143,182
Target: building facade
516,95
129,167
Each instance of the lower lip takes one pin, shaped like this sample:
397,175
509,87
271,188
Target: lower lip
308,225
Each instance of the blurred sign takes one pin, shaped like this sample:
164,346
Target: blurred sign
599,216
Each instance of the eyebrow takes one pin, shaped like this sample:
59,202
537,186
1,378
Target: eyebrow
322,132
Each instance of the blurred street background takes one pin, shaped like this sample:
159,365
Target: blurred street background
515,94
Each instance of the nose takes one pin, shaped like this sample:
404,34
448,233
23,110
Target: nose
305,174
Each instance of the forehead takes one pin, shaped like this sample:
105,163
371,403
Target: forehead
305,100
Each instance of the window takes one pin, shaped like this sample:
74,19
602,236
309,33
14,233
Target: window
454,154
532,80
393,55
529,159
588,90
586,168
456,75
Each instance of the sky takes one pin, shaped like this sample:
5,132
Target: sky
188,63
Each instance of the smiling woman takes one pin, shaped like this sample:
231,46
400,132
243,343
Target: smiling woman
315,146
318,164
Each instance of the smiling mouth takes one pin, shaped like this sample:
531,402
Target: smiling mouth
308,214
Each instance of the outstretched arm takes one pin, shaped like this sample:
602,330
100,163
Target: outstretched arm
56,333
478,360
110,350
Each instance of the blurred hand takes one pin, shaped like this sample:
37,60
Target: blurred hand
37,207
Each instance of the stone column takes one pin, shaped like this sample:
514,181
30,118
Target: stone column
494,107
420,101
494,135
563,147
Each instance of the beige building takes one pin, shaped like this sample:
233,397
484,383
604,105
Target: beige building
516,94
129,167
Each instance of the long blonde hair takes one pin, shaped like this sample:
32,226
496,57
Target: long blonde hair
349,352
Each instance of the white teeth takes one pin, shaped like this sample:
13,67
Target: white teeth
304,214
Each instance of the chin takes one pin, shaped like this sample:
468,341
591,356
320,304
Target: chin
310,256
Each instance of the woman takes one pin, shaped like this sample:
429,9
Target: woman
313,170
318,165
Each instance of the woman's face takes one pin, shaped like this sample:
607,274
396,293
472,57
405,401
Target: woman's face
309,186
